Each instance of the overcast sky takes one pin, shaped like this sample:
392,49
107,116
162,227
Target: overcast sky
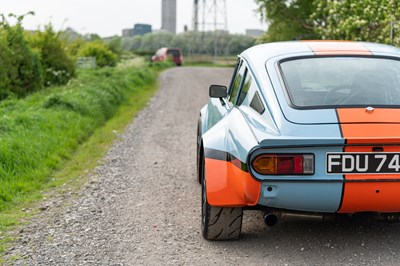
108,18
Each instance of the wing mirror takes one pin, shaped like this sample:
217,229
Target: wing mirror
218,91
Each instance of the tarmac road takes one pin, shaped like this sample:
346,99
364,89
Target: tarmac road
142,206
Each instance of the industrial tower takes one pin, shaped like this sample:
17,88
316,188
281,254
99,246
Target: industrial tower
168,16
209,15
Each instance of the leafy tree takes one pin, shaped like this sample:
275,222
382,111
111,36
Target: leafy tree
366,20
153,41
210,43
287,19
239,43
98,49
115,45
132,44
74,47
57,65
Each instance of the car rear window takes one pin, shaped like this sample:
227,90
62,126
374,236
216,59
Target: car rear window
323,82
174,52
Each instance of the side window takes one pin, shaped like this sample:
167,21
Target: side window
250,94
237,81
245,89
257,104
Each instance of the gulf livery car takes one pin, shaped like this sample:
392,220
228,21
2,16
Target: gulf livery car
305,129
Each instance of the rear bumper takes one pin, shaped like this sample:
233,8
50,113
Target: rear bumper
332,197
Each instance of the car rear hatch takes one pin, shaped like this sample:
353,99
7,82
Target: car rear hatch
362,163
310,89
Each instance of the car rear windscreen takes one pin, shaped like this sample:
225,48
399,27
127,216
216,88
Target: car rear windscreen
322,82
174,52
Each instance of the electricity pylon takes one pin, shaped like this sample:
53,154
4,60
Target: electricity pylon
209,15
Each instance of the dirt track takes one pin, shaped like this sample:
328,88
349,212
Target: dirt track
143,205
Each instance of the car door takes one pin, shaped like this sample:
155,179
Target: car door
219,108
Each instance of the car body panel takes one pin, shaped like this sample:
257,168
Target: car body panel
233,135
302,196
228,180
339,48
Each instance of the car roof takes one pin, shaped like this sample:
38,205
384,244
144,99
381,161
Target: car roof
259,54
262,58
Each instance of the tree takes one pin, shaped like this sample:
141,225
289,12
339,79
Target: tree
287,19
366,20
115,45
20,67
220,42
154,41
58,67
239,43
98,49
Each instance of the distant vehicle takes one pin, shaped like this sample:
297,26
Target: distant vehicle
306,130
164,53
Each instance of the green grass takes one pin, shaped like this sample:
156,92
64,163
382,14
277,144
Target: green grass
54,137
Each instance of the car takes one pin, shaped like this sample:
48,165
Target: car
305,129
164,53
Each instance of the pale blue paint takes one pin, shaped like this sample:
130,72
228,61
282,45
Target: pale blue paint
302,196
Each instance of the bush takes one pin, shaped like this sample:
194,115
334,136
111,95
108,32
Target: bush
20,67
5,63
115,45
104,56
57,65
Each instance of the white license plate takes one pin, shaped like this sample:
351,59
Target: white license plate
358,163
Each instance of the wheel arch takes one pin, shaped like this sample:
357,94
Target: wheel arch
224,149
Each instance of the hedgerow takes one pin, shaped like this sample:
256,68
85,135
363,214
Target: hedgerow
39,132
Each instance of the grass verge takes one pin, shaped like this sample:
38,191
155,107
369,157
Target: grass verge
54,137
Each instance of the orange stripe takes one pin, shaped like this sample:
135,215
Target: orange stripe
358,125
362,197
360,115
229,186
370,196
337,48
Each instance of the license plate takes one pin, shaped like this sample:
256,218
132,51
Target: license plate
362,163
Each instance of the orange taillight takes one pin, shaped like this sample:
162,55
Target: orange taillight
284,164
265,164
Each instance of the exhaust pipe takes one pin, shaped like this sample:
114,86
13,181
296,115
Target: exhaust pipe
272,218
386,217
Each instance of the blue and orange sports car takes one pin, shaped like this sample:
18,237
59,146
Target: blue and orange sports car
305,129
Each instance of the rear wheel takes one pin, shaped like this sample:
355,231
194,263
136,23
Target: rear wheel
219,223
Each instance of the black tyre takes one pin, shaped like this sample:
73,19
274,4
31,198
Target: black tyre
219,223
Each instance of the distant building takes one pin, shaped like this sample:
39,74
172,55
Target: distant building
138,29
141,29
168,16
126,33
254,33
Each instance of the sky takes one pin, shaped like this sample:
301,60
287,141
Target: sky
108,18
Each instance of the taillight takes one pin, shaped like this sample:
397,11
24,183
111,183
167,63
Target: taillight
284,164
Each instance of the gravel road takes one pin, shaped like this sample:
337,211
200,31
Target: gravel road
142,205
